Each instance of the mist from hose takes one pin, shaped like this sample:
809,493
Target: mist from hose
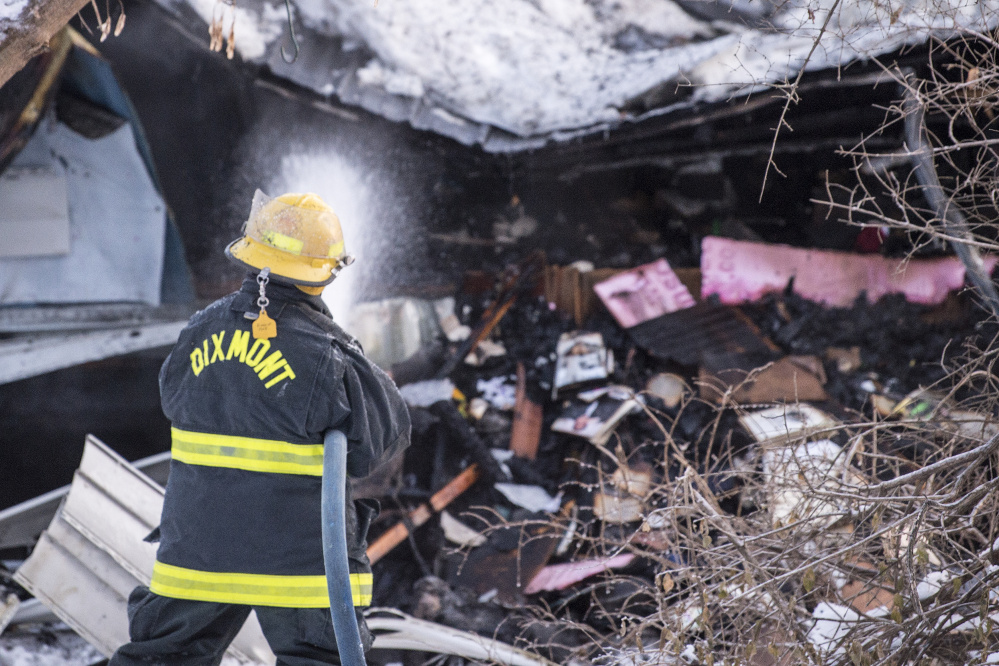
345,189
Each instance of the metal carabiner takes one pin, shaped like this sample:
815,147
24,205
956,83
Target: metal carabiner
262,279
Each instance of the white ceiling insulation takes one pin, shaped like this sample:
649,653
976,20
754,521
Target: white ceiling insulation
512,74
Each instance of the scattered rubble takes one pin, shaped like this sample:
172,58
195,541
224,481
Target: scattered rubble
776,481
671,449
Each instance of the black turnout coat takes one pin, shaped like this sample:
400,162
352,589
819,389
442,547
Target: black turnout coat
241,516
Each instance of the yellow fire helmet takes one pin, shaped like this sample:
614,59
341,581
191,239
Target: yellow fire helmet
296,235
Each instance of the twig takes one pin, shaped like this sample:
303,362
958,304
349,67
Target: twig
792,94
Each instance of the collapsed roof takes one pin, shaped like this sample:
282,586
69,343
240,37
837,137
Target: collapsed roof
514,75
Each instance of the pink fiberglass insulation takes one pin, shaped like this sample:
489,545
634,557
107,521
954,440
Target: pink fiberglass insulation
740,271
561,576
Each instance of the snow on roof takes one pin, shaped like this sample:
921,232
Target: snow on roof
513,74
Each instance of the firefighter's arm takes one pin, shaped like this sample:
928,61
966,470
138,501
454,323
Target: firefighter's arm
380,425
367,407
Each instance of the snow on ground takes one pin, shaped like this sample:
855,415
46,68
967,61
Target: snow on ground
55,645
46,646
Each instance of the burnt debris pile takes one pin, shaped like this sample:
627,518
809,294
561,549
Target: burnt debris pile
608,470
782,456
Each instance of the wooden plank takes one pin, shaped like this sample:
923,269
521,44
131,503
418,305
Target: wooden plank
421,514
527,420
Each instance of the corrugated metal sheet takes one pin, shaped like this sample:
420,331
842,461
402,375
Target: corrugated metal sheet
93,555
686,335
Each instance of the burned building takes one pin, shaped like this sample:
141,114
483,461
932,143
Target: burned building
604,253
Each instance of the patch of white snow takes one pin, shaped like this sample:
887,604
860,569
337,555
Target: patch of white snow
832,623
538,66
57,647
397,83
10,13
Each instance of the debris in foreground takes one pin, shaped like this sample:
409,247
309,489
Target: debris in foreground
400,631
644,293
94,553
756,483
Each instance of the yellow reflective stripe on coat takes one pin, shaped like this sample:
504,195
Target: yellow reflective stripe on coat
247,453
253,589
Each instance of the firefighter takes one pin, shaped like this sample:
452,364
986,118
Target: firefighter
252,385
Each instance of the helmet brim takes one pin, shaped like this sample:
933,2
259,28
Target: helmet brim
284,266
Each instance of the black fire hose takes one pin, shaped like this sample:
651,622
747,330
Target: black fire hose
348,635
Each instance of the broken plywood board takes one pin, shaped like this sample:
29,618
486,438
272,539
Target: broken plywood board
93,554
528,415
570,288
685,335
734,379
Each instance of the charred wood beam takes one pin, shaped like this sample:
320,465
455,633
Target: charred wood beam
742,120
676,159
305,96
843,128
396,534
